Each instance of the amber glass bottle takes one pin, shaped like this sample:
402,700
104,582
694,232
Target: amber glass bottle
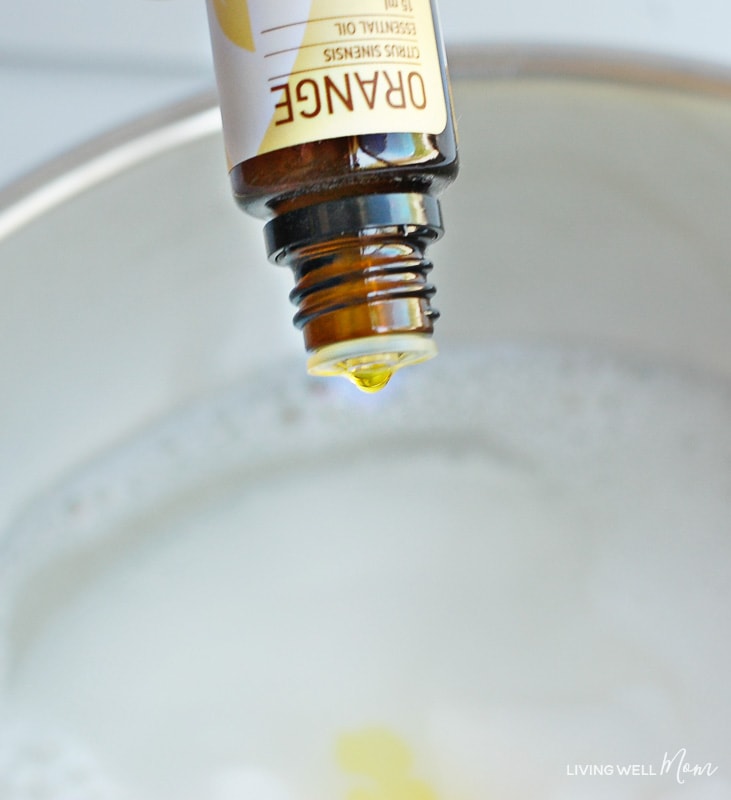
339,132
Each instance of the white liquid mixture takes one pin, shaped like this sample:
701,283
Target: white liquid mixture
509,564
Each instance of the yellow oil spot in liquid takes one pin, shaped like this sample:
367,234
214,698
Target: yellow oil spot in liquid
385,762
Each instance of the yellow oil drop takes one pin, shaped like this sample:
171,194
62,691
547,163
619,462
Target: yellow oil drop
385,761
371,379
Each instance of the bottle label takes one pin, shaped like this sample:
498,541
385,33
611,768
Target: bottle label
296,71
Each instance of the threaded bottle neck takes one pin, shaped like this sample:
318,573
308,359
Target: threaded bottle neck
372,285
359,266
361,290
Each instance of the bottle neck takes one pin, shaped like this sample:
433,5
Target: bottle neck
361,290
359,266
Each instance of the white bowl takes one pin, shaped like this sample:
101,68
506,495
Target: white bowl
223,579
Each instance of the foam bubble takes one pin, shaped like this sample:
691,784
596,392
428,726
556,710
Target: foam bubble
516,559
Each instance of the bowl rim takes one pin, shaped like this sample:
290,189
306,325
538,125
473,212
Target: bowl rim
107,154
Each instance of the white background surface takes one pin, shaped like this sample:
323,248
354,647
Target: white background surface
74,69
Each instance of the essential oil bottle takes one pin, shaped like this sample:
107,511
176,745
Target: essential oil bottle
338,130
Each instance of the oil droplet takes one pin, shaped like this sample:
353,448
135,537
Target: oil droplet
370,362
386,761
370,379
